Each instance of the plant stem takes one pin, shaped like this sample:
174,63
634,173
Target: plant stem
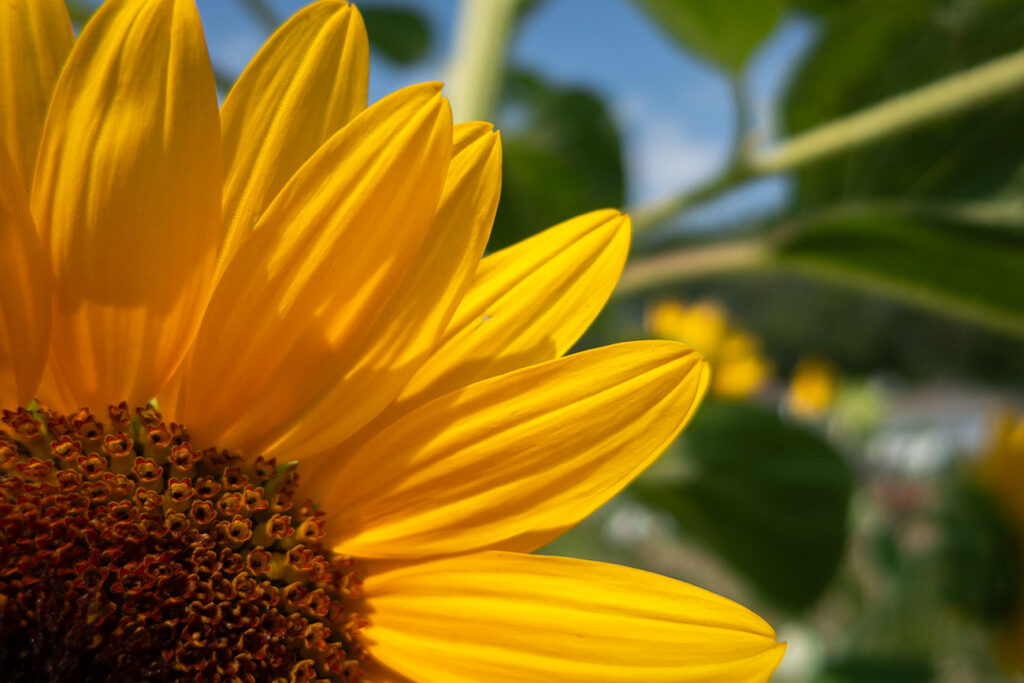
970,88
477,68
691,262
695,260
647,217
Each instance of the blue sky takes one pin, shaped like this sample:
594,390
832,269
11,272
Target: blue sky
673,109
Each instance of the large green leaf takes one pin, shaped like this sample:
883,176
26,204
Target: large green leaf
963,269
561,157
400,33
724,31
931,256
769,496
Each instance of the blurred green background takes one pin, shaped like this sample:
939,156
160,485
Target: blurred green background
828,201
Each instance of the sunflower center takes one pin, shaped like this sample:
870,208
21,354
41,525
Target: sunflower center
127,554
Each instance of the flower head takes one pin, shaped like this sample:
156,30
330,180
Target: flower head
363,428
999,471
739,368
812,388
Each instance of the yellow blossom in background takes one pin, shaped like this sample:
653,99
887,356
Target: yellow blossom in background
1000,471
298,278
1001,466
738,368
812,388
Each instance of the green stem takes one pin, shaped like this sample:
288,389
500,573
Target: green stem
477,69
693,262
970,88
645,218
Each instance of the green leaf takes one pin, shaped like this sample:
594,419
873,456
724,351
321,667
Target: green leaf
769,496
724,31
561,157
966,264
957,268
400,33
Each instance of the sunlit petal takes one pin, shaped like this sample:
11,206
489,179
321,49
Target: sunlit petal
307,82
416,315
127,193
24,294
35,38
515,460
296,304
528,303
499,616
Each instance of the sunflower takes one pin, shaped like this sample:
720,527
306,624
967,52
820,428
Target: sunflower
321,432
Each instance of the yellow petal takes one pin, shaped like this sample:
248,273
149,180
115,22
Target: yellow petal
499,616
306,83
24,295
514,460
528,303
415,316
127,191
296,303
35,38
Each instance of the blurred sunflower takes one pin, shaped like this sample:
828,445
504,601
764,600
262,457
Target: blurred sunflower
1000,471
812,388
739,369
300,276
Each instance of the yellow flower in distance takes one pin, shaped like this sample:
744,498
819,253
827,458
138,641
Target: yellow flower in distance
1000,471
813,388
739,369
1001,467
299,279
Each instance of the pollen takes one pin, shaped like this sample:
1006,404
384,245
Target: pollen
128,554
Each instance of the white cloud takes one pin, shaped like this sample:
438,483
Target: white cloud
661,158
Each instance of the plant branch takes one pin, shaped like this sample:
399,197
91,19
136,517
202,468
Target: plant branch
970,88
963,90
477,67
692,262
645,218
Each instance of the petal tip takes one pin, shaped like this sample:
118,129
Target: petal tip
612,222
434,87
